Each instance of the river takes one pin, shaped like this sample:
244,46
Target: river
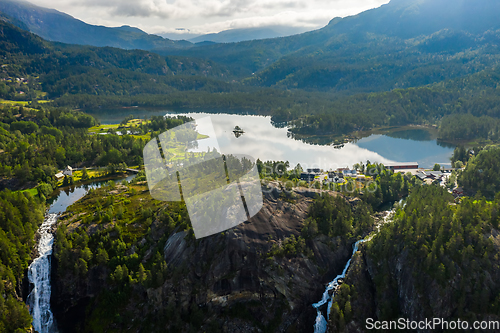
39,270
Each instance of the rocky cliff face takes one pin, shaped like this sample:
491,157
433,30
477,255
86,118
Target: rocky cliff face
405,297
223,283
388,285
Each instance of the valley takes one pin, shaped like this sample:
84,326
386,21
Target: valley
375,140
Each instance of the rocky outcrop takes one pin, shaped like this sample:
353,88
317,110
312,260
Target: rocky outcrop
228,277
403,292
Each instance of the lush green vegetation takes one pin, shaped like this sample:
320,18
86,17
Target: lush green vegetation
422,105
434,250
35,143
481,174
124,216
467,127
131,211
461,155
334,216
438,244
312,113
328,82
387,186
20,215
91,77
442,241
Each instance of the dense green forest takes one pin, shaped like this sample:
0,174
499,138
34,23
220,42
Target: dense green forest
353,75
20,216
447,247
468,127
450,242
90,77
334,216
35,143
481,174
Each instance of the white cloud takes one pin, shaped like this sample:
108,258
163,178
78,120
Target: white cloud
204,16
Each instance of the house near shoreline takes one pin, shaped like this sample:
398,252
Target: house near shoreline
68,171
401,167
431,176
59,175
347,172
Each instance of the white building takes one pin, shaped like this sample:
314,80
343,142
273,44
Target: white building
68,171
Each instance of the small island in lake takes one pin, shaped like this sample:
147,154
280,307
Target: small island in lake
238,131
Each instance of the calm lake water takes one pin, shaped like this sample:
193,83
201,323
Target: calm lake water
65,197
263,140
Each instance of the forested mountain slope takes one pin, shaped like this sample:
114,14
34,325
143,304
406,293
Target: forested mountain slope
404,43
437,259
82,76
60,27
58,69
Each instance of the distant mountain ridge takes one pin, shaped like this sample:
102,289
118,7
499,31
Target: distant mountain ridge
405,43
412,18
53,25
239,35
401,44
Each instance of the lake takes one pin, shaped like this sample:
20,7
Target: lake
262,140
64,197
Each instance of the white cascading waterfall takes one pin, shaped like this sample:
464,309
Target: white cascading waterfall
39,276
320,324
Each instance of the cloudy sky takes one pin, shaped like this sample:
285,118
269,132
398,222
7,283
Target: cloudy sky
207,16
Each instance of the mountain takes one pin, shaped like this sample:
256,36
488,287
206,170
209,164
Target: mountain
239,35
242,280
53,25
61,68
406,43
179,34
14,40
412,18
320,74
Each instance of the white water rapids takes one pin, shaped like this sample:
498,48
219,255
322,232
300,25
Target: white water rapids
39,276
320,325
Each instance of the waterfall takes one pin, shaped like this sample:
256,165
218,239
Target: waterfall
320,324
39,276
